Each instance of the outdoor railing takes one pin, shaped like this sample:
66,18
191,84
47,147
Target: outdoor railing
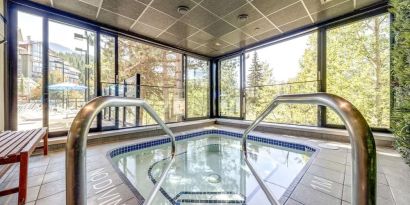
133,116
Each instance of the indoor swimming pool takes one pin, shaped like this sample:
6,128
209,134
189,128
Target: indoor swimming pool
209,168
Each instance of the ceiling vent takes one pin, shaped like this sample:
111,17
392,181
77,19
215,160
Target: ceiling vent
183,10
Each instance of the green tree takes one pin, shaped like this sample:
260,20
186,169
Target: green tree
161,79
230,87
358,68
401,76
258,76
197,80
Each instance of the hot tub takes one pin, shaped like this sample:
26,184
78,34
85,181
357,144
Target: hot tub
209,168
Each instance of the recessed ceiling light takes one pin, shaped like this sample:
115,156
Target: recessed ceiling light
243,17
183,10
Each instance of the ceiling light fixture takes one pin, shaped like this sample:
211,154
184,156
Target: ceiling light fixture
217,44
243,17
183,10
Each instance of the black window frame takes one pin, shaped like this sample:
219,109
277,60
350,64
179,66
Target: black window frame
321,29
214,62
47,13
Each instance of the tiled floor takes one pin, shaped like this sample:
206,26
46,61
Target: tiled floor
327,180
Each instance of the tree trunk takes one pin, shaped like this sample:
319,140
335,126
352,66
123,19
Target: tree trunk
378,68
165,89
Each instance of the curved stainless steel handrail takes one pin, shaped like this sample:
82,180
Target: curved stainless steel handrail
76,187
361,139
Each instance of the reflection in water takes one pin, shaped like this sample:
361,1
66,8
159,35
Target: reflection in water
211,169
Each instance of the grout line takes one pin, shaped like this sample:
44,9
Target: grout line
266,18
99,9
149,26
143,12
249,36
354,4
165,30
307,10
41,184
283,8
118,14
293,21
221,18
331,7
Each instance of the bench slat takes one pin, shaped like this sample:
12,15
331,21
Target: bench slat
26,140
4,133
5,137
36,139
22,140
20,146
9,139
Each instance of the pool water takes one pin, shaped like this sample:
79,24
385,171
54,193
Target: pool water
211,170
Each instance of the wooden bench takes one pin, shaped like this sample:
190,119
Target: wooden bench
17,146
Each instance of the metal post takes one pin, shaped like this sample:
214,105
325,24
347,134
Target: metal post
124,109
137,95
109,108
361,139
76,179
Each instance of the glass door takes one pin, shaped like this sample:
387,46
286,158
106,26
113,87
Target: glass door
71,75
29,71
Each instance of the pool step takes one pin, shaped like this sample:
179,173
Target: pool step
188,197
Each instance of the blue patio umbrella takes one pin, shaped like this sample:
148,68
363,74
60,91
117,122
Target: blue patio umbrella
66,87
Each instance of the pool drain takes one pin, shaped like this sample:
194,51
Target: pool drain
214,178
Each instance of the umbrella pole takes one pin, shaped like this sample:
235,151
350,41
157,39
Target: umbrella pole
63,101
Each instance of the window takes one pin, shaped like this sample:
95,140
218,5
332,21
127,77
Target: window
128,68
197,80
71,75
230,87
29,71
161,81
289,67
108,86
358,68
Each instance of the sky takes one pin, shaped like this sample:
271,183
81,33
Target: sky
31,25
283,57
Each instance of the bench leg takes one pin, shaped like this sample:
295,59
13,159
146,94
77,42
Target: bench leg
45,144
23,178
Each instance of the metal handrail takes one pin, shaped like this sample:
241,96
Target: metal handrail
76,192
361,139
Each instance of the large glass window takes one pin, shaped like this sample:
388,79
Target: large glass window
358,68
161,81
71,75
289,67
108,86
29,71
197,80
230,87
128,69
